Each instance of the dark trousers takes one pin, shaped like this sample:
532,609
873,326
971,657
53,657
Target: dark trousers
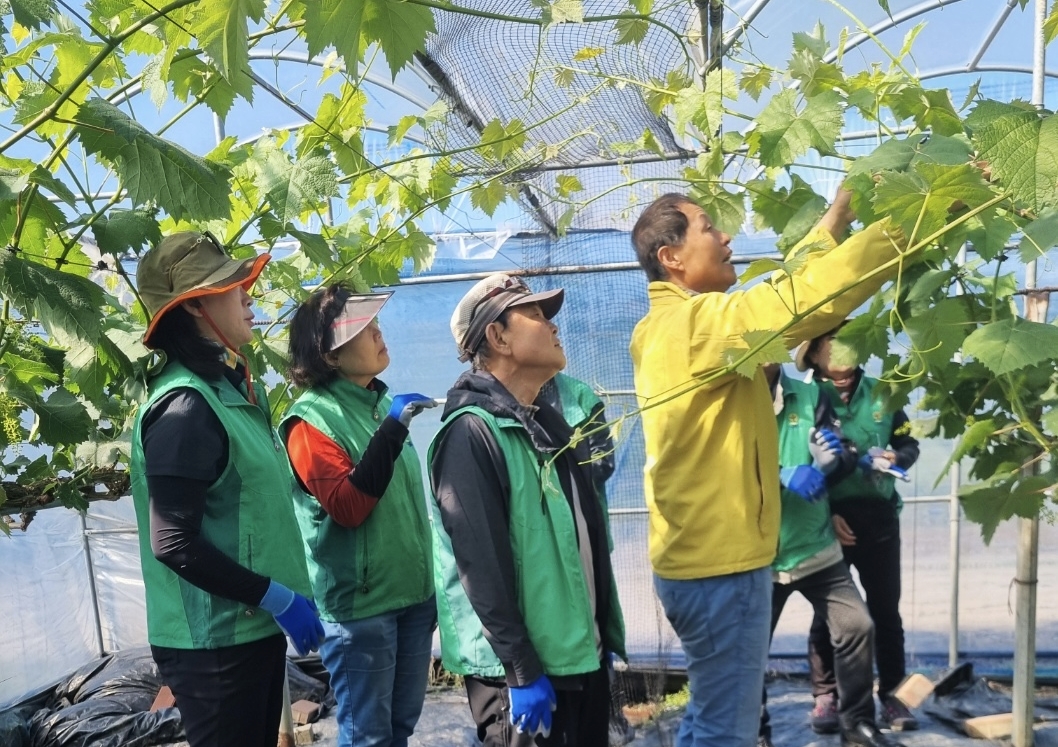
876,556
580,720
228,697
835,598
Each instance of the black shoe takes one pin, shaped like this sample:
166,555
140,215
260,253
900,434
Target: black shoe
866,734
896,716
764,740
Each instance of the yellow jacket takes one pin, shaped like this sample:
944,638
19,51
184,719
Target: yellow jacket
711,476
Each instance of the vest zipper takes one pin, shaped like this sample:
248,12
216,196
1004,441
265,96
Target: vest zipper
543,497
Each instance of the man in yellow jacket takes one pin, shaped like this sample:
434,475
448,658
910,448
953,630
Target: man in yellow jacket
711,472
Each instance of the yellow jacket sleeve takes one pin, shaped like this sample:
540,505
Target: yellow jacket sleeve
849,272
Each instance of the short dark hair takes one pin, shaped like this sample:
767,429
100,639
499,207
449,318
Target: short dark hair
661,224
177,335
311,336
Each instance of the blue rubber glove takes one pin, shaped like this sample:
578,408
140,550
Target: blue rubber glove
295,615
826,449
531,707
805,480
876,461
407,406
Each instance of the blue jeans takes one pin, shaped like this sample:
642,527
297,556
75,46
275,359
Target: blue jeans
379,667
723,625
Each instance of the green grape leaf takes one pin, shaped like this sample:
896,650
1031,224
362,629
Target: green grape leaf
1039,235
974,437
62,419
631,30
59,300
773,351
1011,344
153,169
938,332
314,246
759,267
337,125
567,184
704,108
783,134
754,80
221,29
867,334
336,23
1050,25
921,198
12,182
990,234
988,504
813,42
191,77
124,230
33,14
726,209
815,76
774,207
498,141
292,187
400,28
33,373
488,196
1020,148
931,109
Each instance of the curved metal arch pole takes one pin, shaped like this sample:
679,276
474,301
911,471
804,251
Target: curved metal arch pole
298,125
370,78
990,37
1023,69
736,33
882,26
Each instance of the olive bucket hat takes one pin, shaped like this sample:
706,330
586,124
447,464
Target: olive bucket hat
188,265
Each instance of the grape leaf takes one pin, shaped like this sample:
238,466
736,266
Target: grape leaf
923,196
1039,236
1021,149
62,419
292,186
938,332
783,134
33,14
815,75
773,351
989,504
488,196
400,28
153,169
335,23
727,209
191,77
1011,344
123,230
631,30
59,300
754,80
221,29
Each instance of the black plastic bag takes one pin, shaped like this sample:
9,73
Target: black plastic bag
105,723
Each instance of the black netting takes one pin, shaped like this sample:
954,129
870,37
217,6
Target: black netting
490,69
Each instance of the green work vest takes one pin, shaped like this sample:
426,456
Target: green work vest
385,563
866,422
552,592
804,528
248,516
578,401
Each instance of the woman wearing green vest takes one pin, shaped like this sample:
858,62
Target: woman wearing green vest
362,516
866,516
223,569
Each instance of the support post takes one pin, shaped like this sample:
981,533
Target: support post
93,589
1029,529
